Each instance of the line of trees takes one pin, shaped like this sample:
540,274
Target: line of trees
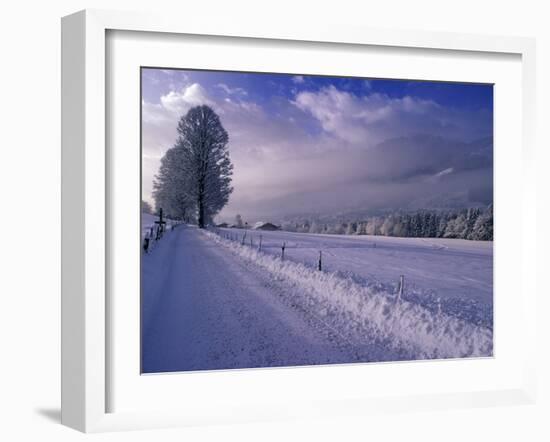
473,223
194,179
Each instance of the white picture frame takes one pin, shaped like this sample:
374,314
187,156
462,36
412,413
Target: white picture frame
86,315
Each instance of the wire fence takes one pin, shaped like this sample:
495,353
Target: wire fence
247,239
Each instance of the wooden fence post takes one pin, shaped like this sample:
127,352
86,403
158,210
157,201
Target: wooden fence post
283,251
401,287
260,248
320,260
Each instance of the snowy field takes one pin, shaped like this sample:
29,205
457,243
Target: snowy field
457,272
212,303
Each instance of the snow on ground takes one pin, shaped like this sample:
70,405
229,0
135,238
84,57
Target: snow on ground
149,228
405,329
202,309
210,303
456,274
148,221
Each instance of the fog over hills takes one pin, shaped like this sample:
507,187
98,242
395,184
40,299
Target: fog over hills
401,174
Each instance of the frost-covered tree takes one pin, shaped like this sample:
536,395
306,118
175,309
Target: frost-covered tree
373,226
170,188
483,226
432,222
399,227
239,221
289,226
146,207
350,229
339,228
302,227
456,227
471,217
387,226
315,227
196,173
416,225
442,225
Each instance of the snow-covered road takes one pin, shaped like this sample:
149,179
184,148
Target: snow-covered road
204,309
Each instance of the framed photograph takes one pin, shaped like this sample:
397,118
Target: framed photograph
262,222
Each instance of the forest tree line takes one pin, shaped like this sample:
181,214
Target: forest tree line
472,223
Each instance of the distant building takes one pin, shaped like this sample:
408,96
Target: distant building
265,226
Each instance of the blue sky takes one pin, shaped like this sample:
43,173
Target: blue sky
262,88
327,144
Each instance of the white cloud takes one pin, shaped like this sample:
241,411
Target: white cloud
444,172
152,113
232,91
298,79
180,102
370,119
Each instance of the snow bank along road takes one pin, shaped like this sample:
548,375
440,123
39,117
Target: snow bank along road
209,303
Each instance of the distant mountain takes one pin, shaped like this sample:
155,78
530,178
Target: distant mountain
406,158
400,174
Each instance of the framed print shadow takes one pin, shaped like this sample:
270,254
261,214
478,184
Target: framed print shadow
244,222
292,219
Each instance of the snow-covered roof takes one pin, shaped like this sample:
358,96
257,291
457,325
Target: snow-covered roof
264,225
